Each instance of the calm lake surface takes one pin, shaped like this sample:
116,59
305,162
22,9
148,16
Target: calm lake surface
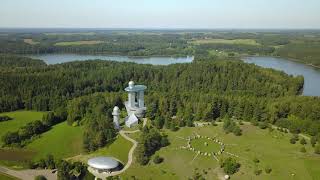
62,58
311,74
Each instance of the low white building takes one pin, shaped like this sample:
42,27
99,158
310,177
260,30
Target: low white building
101,166
131,120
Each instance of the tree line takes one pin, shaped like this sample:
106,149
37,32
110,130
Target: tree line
177,94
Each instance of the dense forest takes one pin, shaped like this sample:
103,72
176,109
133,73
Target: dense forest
48,87
211,88
84,93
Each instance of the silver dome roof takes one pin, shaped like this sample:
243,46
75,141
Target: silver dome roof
103,163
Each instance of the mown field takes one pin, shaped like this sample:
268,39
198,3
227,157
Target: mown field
77,43
271,148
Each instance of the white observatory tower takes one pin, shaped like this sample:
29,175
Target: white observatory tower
135,104
116,117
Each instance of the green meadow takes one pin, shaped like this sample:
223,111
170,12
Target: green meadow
118,149
61,141
273,150
20,118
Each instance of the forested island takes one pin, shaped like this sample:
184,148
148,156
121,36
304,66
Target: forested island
217,87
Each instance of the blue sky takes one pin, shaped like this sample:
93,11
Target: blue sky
160,13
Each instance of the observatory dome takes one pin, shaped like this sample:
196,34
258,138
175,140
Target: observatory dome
103,163
131,84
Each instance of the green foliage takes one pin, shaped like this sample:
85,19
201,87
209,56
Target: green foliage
303,149
5,118
12,61
293,140
317,149
40,177
313,141
99,131
230,165
263,125
230,126
67,170
256,160
26,132
157,159
303,141
268,169
150,141
257,172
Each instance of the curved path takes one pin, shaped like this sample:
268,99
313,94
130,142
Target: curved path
29,174
130,156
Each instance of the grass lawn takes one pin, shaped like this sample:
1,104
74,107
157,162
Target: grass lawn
200,145
77,43
271,148
20,118
226,41
6,177
118,149
61,141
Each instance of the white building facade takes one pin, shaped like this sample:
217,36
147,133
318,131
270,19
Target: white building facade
135,104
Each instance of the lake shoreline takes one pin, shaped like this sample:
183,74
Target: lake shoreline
107,54
58,58
311,74
287,58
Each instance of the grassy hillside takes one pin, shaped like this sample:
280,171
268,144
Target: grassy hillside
61,141
271,148
20,118
118,149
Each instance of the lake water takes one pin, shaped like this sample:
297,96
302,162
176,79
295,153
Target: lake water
311,74
62,58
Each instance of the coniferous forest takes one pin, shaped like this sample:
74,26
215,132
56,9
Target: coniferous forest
202,90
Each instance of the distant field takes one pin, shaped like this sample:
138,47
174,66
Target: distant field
70,34
20,118
226,41
30,41
271,148
77,43
61,141
118,149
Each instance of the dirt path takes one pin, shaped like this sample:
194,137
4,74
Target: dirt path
29,174
130,157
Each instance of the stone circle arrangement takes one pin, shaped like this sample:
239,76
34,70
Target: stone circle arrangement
208,154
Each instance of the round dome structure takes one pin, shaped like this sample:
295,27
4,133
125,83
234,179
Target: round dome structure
103,163
116,110
131,84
